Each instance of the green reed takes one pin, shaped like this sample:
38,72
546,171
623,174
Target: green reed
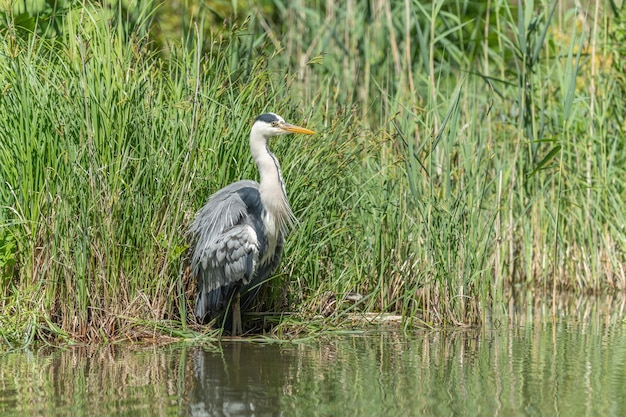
494,172
459,151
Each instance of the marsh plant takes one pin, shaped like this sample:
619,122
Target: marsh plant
465,148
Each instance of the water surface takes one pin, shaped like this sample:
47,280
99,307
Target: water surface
549,363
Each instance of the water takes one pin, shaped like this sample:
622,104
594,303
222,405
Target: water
536,365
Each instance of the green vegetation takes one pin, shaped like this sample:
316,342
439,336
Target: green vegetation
464,148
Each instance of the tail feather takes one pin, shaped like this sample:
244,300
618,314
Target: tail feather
214,304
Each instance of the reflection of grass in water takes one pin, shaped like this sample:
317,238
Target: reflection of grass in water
475,372
428,189
529,361
89,381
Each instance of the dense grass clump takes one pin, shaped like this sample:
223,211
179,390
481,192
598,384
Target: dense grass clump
464,148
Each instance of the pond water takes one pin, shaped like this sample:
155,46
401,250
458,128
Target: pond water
563,361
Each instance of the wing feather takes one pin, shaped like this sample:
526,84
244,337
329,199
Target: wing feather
225,246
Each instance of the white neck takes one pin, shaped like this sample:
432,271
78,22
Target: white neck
272,187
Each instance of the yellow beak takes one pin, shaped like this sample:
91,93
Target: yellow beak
296,129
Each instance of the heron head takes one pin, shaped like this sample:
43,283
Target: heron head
271,124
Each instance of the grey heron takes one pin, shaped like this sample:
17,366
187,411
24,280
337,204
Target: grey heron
237,236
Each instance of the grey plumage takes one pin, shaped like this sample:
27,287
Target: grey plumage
238,235
230,242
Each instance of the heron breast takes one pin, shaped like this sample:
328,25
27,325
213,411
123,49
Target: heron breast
271,237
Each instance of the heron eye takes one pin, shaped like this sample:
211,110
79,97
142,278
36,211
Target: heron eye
274,124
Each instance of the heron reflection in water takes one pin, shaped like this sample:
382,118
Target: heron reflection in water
238,235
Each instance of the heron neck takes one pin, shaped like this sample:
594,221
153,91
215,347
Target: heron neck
272,186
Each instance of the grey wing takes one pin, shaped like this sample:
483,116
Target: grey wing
263,273
225,265
225,244
229,257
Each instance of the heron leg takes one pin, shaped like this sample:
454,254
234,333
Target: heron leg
236,306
